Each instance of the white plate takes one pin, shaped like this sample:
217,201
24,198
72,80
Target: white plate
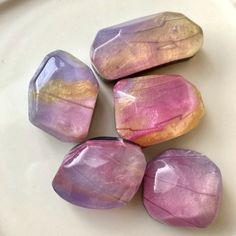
29,158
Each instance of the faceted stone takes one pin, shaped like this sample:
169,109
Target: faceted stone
182,188
101,173
62,96
152,109
144,43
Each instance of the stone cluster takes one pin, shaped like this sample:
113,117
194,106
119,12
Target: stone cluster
181,187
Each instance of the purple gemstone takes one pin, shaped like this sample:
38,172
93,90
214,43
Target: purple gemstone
140,44
62,96
101,173
182,188
156,108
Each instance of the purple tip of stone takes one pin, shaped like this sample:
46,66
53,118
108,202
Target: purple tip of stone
101,173
182,188
62,97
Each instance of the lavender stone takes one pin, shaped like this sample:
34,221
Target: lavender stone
182,188
101,173
62,96
144,43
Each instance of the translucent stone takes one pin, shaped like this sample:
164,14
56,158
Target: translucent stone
182,188
144,43
62,96
156,108
101,173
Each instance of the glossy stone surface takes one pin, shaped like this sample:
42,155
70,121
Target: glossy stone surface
182,188
152,109
62,96
101,173
144,43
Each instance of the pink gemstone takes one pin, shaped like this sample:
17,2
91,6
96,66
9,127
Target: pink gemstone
152,109
182,188
101,173
62,96
121,50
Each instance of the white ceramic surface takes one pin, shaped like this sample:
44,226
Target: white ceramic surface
29,158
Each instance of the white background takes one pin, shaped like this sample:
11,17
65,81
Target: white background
29,158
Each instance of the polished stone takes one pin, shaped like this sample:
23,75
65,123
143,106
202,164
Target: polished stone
152,109
121,50
101,173
62,96
182,188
